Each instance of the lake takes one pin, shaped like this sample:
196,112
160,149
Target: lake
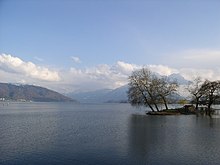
103,134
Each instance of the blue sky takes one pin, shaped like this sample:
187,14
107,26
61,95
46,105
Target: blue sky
83,35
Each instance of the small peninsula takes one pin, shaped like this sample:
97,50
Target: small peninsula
185,110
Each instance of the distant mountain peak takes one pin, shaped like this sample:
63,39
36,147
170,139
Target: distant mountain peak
179,78
119,95
102,96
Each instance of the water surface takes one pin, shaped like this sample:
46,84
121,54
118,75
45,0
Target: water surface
108,134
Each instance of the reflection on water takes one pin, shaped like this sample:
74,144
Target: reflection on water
110,134
174,139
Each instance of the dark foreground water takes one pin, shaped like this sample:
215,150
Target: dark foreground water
107,134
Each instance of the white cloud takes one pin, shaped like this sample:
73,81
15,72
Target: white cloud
162,70
100,76
194,58
15,70
116,75
108,76
76,59
12,64
125,68
192,73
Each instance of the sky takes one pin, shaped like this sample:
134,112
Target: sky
85,45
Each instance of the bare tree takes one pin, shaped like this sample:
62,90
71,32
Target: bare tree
206,92
211,90
165,88
145,88
140,92
196,90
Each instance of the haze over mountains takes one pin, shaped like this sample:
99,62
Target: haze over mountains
119,95
35,93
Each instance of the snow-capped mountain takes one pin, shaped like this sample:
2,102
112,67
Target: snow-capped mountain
180,79
119,95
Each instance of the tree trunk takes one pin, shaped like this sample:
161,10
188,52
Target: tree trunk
156,107
209,109
151,108
152,99
165,103
211,101
146,101
197,103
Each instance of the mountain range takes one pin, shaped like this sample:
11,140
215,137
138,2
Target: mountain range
18,92
119,95
30,93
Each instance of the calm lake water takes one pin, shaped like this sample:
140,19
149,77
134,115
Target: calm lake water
104,134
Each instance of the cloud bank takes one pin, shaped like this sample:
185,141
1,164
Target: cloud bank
100,76
10,64
15,70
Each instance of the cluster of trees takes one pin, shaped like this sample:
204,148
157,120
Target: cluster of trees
145,88
148,89
205,92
